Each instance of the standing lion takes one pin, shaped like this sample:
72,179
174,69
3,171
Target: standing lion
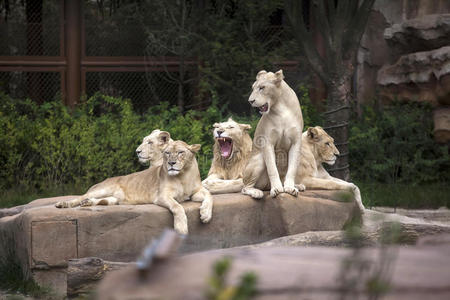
232,148
277,141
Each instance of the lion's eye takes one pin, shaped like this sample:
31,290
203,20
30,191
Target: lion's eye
261,88
180,152
149,142
327,143
230,127
167,153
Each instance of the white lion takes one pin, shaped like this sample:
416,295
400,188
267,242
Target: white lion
317,148
277,142
232,147
150,151
175,180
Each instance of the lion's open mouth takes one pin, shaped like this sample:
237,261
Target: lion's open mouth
226,146
263,108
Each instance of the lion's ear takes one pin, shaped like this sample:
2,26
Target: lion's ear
245,127
260,73
164,137
279,77
230,119
194,148
313,134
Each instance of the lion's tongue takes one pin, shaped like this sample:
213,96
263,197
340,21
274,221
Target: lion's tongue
225,147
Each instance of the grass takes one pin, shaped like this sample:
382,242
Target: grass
405,195
12,282
21,195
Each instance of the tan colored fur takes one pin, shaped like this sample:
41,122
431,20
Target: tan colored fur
277,142
318,148
176,180
225,174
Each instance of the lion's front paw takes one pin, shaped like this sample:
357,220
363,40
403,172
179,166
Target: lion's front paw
86,202
292,190
206,211
300,187
62,204
274,191
181,228
252,192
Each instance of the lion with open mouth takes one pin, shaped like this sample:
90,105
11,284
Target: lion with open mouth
232,147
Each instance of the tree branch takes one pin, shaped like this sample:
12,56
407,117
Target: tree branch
356,28
294,12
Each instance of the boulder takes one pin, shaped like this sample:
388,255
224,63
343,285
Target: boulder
421,76
295,273
43,238
422,34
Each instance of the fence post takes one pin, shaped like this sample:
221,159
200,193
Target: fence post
72,11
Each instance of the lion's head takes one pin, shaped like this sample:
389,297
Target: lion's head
150,149
178,156
229,138
324,149
265,90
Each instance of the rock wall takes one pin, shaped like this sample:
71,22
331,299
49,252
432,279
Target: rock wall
405,56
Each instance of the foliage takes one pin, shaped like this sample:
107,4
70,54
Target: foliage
218,288
395,145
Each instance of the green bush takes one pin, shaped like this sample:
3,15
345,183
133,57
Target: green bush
395,145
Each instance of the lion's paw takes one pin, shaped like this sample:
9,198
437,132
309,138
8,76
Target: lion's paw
252,192
86,202
292,190
205,214
275,191
181,228
300,187
62,204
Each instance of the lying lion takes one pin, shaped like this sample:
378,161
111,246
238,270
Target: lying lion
317,148
175,180
232,147
277,142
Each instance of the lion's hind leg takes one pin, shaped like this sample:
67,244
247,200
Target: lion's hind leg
204,196
255,175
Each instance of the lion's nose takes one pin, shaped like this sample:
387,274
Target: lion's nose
171,163
219,132
251,101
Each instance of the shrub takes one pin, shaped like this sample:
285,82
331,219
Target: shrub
395,145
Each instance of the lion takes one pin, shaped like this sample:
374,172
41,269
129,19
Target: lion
150,151
277,142
317,148
232,147
175,180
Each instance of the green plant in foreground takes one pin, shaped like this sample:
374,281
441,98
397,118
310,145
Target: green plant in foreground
218,288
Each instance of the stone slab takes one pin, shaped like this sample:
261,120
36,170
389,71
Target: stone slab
42,237
293,273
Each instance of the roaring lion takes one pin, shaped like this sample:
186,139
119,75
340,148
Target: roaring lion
232,147
317,148
175,180
277,142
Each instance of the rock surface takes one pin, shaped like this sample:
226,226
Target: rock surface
294,273
422,34
421,76
42,238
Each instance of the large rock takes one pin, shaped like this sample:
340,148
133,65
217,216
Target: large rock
421,34
420,76
43,238
296,273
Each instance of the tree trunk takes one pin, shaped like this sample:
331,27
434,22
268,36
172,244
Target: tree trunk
336,123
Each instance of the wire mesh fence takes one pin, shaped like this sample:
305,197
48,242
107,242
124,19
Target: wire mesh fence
39,86
112,33
30,27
